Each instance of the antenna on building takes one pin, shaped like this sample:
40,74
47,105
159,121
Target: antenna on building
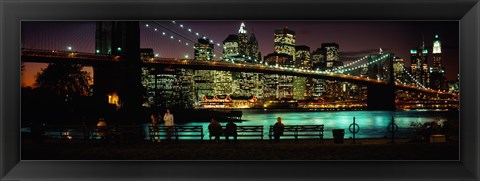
423,41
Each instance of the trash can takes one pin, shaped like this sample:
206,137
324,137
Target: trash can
338,135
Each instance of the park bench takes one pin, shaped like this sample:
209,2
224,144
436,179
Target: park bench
246,131
71,133
300,131
128,134
158,132
120,133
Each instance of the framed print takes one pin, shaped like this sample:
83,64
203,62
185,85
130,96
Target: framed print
245,90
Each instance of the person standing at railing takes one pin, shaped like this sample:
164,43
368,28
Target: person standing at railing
168,119
278,129
155,137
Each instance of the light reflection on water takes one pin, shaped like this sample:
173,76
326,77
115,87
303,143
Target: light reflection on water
373,124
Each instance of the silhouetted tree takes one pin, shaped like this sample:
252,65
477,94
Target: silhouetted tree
22,69
64,79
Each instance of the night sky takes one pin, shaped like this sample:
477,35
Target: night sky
356,38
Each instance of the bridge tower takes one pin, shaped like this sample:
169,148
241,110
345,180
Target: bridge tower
381,96
120,38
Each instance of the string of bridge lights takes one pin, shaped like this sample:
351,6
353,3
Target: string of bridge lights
351,63
399,81
416,81
361,66
340,69
173,38
196,34
190,30
168,35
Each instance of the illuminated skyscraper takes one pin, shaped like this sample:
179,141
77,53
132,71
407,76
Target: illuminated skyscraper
204,84
280,86
279,59
203,50
302,57
166,87
437,54
238,48
398,69
243,40
318,59
231,48
333,89
223,82
277,86
284,42
437,72
318,86
204,79
419,66
302,60
332,58
254,54
454,85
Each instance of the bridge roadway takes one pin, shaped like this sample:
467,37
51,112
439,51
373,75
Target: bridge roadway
91,59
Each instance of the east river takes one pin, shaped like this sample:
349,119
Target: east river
373,124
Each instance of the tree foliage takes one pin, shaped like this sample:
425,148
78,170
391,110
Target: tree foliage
64,79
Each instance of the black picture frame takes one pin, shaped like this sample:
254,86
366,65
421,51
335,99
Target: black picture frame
467,12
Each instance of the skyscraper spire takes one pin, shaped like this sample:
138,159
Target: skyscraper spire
423,42
252,38
242,28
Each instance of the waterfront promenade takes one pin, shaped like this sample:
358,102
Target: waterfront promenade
365,149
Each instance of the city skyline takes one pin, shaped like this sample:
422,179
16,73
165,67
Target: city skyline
309,33
307,90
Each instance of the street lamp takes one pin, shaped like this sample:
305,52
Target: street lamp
69,48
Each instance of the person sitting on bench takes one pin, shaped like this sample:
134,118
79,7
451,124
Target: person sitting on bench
278,129
231,130
215,129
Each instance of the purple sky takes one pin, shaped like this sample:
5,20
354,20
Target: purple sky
354,37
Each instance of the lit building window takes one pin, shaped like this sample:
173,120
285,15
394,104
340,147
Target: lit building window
113,99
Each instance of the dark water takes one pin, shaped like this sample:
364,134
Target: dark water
373,124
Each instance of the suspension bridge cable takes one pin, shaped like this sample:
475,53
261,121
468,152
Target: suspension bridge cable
179,34
361,66
415,80
181,26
